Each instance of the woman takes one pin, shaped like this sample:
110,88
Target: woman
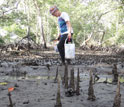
65,30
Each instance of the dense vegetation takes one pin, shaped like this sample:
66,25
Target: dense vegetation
100,22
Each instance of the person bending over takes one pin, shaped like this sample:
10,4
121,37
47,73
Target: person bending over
65,30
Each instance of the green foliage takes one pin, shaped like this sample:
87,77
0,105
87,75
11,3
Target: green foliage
1,41
93,17
121,35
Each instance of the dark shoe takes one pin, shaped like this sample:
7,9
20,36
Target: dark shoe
63,62
68,61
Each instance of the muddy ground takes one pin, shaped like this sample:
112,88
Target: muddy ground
32,75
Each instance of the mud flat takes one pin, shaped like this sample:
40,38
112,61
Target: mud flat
34,86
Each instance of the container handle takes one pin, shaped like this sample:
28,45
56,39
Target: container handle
71,41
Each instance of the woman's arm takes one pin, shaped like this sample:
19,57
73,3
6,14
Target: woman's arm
58,33
69,29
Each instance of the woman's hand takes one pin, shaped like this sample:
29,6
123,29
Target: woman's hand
69,37
59,37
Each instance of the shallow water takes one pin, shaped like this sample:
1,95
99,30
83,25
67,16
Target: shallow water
102,71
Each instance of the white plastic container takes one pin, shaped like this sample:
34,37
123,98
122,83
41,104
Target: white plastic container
56,48
69,50
55,42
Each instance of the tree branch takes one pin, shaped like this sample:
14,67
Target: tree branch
4,12
88,39
106,13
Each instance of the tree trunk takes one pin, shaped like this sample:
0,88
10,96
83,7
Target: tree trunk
45,46
40,24
102,38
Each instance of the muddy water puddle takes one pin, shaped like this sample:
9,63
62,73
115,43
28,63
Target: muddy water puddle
102,73
27,78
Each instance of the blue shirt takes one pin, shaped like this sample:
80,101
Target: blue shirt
62,23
